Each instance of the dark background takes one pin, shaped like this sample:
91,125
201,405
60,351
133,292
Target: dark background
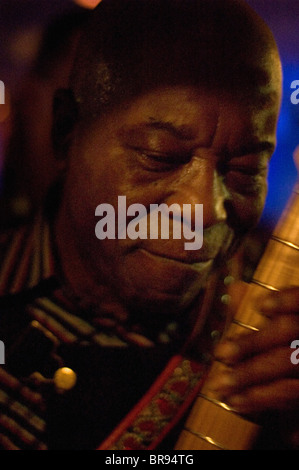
21,22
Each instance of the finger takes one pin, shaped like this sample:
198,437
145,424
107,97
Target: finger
281,395
281,330
283,302
271,366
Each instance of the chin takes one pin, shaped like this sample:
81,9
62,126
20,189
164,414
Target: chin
157,284
162,298
164,304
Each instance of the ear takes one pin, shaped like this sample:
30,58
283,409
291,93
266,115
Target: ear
65,116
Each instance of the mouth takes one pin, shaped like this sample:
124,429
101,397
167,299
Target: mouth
197,264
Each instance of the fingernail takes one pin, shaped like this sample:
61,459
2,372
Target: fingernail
238,402
268,303
226,351
222,382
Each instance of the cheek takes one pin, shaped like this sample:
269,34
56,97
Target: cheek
245,211
81,197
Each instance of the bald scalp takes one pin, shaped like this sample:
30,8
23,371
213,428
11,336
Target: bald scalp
133,46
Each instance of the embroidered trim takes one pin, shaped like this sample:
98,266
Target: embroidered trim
160,409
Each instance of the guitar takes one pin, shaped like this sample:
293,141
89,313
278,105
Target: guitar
212,424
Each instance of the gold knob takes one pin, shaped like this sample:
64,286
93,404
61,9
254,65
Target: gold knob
64,379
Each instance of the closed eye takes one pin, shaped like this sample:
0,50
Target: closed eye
246,175
254,149
157,161
250,171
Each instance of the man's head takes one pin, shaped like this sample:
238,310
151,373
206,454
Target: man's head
129,47
175,101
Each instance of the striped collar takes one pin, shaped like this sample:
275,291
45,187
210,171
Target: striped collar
27,257
28,264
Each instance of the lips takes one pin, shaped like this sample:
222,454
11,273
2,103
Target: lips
216,241
195,261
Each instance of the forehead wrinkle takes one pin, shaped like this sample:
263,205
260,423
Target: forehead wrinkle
180,131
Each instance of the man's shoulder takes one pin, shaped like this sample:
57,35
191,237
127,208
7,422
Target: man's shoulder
9,236
16,251
6,239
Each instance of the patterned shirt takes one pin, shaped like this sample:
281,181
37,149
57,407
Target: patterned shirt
43,331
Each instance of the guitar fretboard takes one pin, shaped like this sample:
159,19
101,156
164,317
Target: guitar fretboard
212,424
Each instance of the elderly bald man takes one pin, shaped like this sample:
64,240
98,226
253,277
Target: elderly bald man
172,102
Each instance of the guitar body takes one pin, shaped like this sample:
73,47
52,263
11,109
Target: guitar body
212,424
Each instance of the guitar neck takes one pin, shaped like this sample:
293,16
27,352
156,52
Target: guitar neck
212,424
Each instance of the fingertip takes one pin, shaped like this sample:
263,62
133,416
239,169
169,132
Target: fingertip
227,351
268,304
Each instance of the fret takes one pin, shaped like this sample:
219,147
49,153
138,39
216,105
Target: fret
208,439
214,429
218,403
279,267
265,286
244,325
285,242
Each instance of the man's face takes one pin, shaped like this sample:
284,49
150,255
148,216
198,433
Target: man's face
173,145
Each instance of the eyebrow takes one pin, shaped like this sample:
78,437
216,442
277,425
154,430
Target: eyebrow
186,133
254,147
182,132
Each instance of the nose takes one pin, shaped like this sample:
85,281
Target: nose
201,183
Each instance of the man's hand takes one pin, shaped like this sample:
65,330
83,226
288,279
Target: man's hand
262,376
